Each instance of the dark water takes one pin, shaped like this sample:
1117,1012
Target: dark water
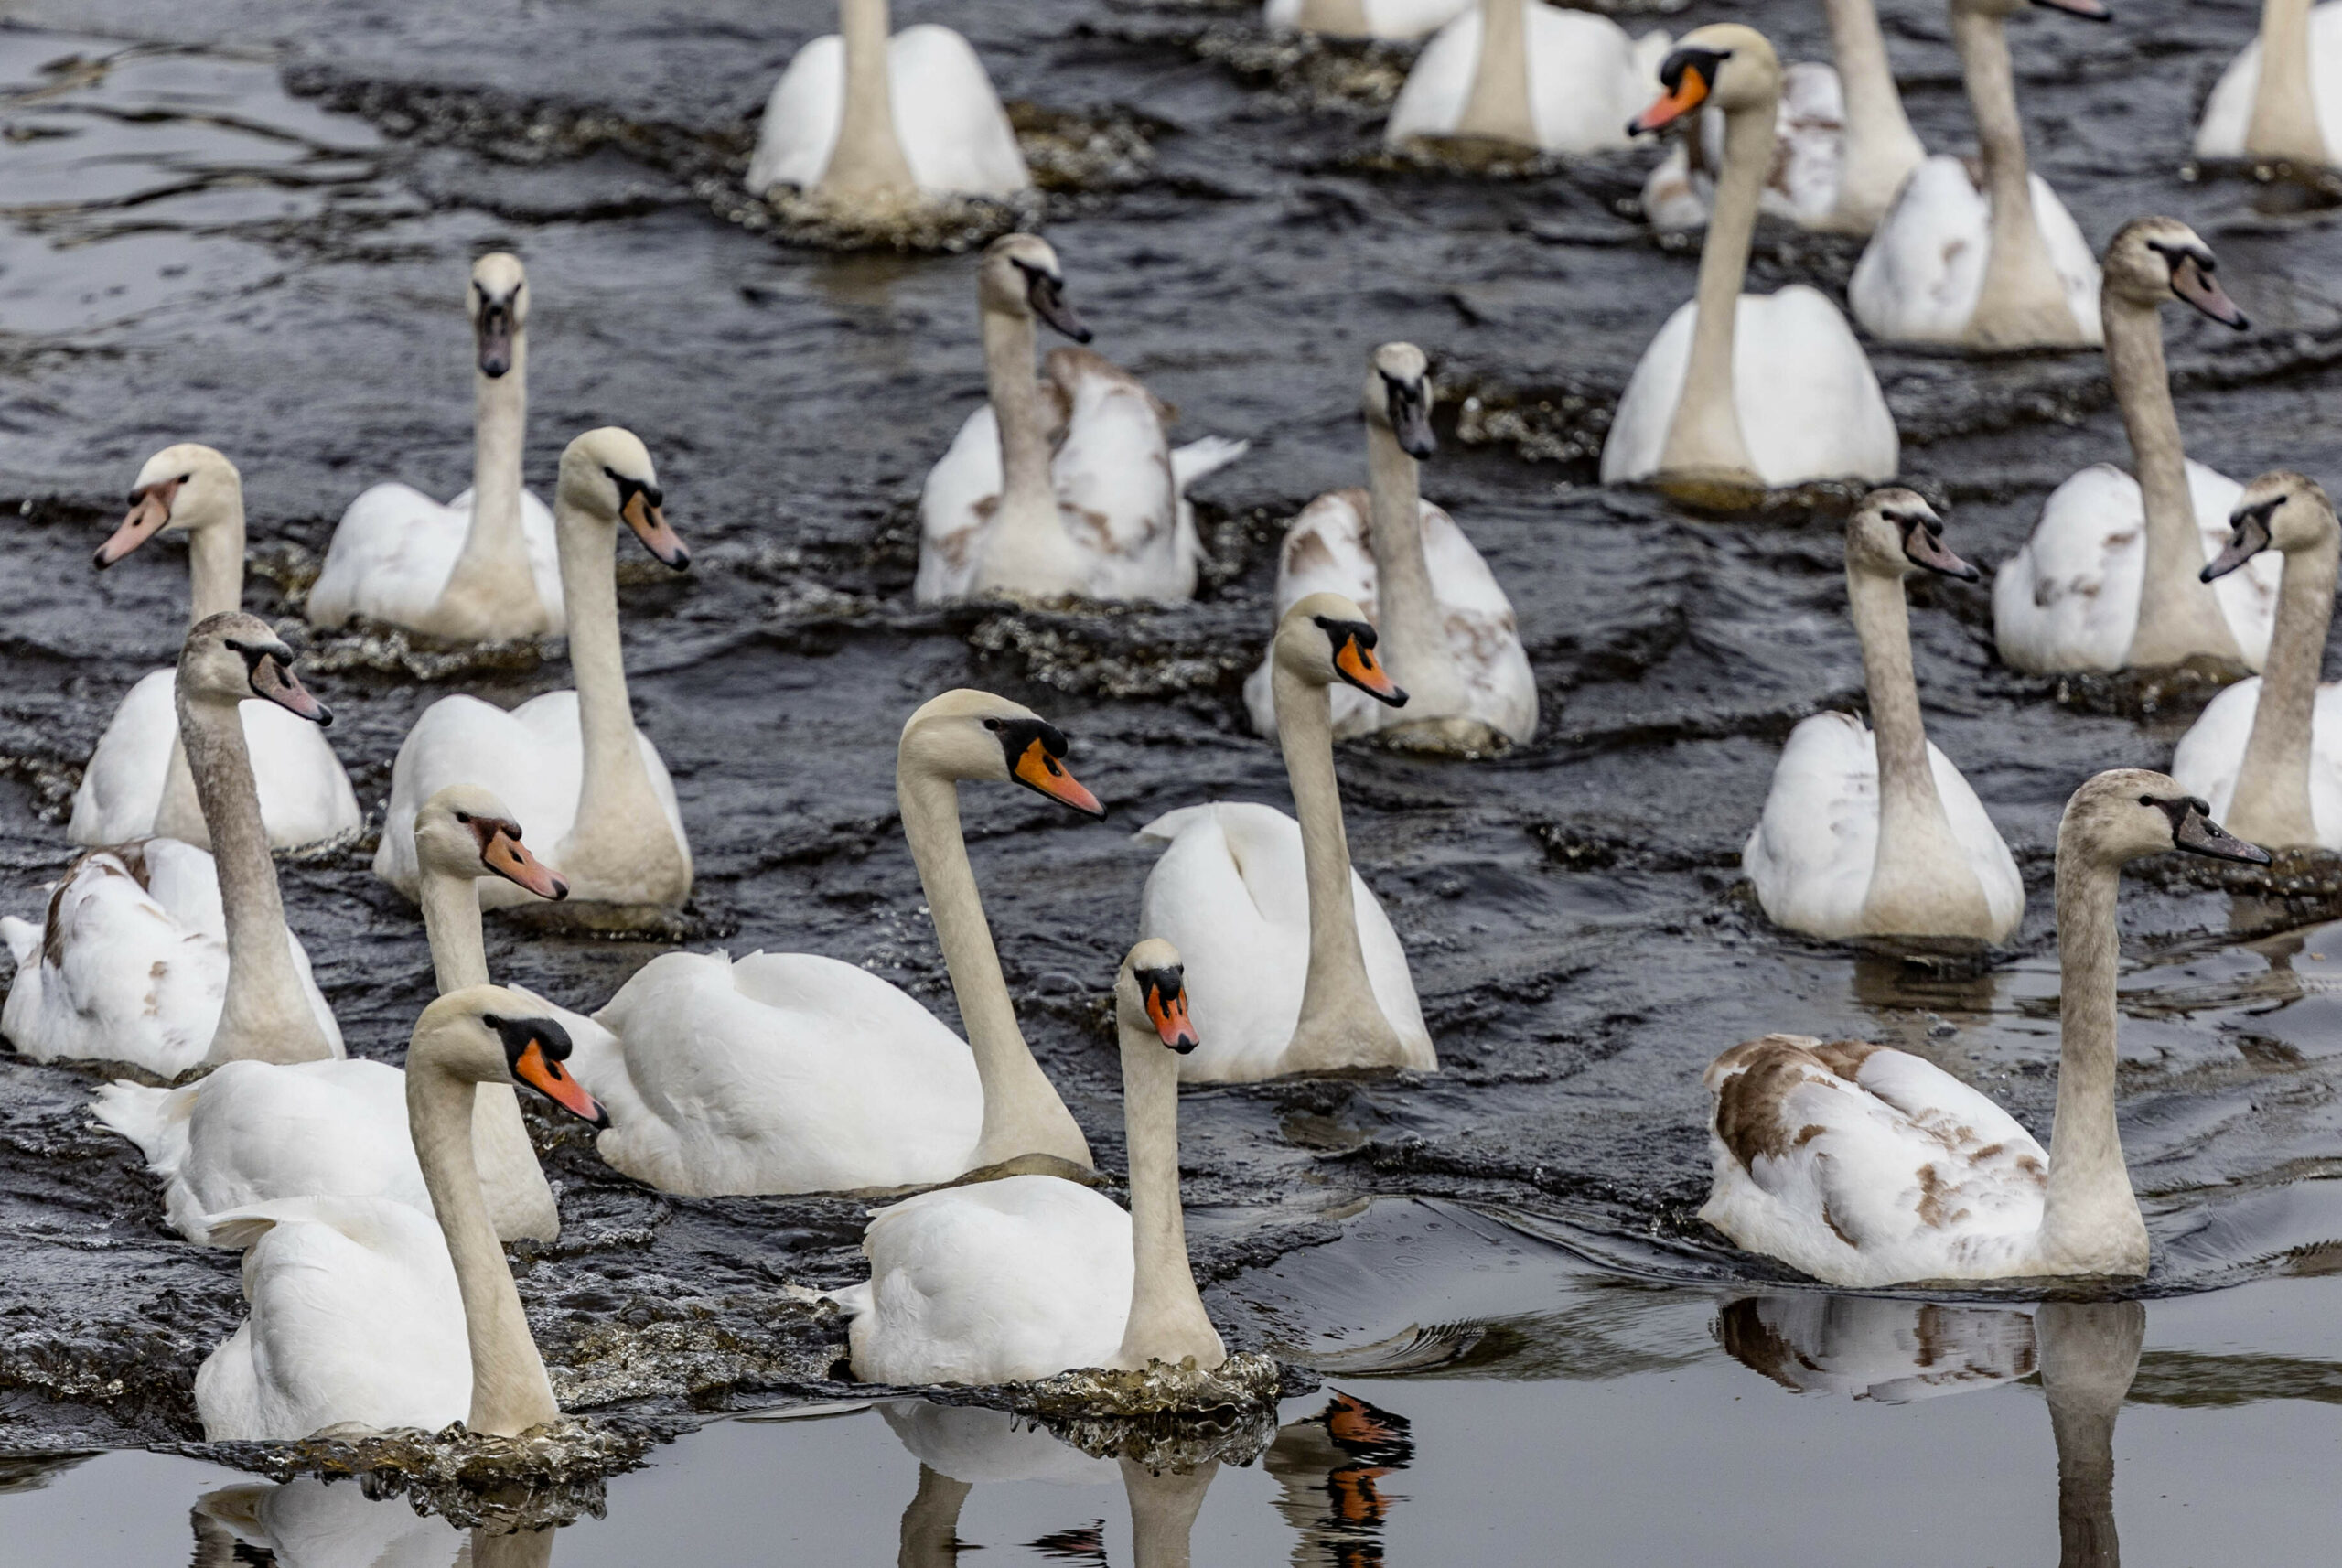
251,229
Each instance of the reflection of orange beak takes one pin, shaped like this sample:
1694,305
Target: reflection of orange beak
1036,769
1170,1017
510,858
548,1077
1360,669
1690,91
650,525
1352,1420
1356,1500
150,508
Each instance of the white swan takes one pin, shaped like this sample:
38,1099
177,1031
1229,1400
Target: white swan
864,118
1396,19
311,1523
1866,1167
1528,74
1842,145
1002,1281
157,954
2293,113
2267,752
1878,834
590,788
136,782
1739,392
1448,633
1992,264
482,568
2110,577
793,1073
1292,963
256,1131
1065,485
364,1313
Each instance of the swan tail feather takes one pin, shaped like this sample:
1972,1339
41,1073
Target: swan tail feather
154,1119
22,939
1172,823
1202,458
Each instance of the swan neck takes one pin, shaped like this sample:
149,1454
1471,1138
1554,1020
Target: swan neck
2271,805
2284,103
510,1391
2090,1222
615,798
495,548
929,1534
1168,1321
1983,42
1906,780
1028,500
2089,1354
1497,106
1879,147
1337,975
1163,1506
215,561
1706,435
1414,639
451,925
868,157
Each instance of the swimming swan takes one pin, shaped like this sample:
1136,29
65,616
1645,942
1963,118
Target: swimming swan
1994,264
1065,485
1395,19
1003,1281
1740,393
590,788
1877,834
1867,1167
793,1073
366,1313
863,118
2267,753
2293,113
157,954
483,568
1528,74
256,1131
1293,964
136,782
1448,633
2110,578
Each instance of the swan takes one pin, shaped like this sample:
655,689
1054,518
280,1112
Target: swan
156,953
1296,966
255,1132
1448,634
582,777
1739,392
1842,147
1393,19
2272,768
483,567
1065,485
1526,74
1990,262
2294,114
136,782
365,1313
997,1282
2109,577
863,118
1866,1167
793,1073
1878,834
311,1523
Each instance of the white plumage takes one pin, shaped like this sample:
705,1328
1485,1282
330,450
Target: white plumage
1587,79
1809,151
311,1523
2227,114
2210,756
395,551
1878,1348
1384,19
1919,279
953,132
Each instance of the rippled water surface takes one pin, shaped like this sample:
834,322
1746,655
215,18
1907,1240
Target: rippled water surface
247,224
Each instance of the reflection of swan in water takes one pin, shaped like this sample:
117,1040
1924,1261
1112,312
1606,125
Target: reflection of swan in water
1163,1505
959,1446
313,1524
1873,1348
1330,1466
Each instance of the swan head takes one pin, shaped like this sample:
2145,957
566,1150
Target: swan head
1399,396
1151,993
1325,638
2128,813
1896,532
463,831
188,486
1020,276
965,734
485,1034
498,303
1724,65
2279,510
232,658
607,474
2151,260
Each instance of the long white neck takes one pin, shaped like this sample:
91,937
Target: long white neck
2090,1223
2088,1355
1413,627
2179,614
1498,105
1026,547
511,1392
2284,105
868,157
1163,1505
1704,439
2271,805
929,1534
512,1549
1168,1321
2022,302
451,925
215,559
265,1015
495,551
1023,1114
1879,150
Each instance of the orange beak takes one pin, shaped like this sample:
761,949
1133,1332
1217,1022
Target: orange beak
150,508
1360,669
550,1079
506,855
1170,1017
650,525
1690,91
1036,769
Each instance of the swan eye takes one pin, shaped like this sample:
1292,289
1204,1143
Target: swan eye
991,723
2149,800
464,817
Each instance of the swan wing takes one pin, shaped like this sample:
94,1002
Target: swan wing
2248,596
2227,114
800,123
1585,81
2068,599
1878,1348
1811,854
1202,458
1987,853
955,509
1810,405
1923,270
2211,753
1481,629
1230,894
1326,550
1439,84
1638,425
955,135
1115,495
532,758
971,1444
2071,257
2325,766
1809,140
390,559
305,795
